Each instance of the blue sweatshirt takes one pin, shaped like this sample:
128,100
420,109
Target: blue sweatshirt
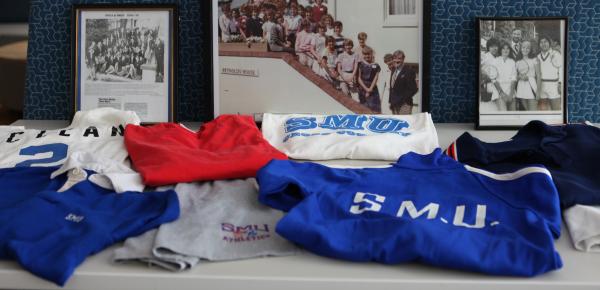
425,208
50,233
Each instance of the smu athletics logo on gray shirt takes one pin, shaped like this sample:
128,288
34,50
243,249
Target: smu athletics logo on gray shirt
246,233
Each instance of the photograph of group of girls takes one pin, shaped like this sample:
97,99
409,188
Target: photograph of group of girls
309,31
522,65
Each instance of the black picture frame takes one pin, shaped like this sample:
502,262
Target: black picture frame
550,83
169,47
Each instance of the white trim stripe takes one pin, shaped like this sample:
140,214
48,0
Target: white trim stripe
510,176
455,150
184,127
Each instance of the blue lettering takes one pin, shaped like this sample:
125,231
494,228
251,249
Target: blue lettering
295,124
385,125
348,122
351,133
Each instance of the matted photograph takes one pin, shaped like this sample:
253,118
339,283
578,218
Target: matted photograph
522,71
125,59
319,56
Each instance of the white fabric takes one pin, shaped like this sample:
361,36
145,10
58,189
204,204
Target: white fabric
4,128
293,23
526,89
487,58
73,177
507,73
325,137
549,90
266,28
548,71
224,25
319,44
98,131
583,222
329,31
110,174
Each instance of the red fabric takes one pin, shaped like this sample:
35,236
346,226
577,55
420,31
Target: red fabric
231,146
318,12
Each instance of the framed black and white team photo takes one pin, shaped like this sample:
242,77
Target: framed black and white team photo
124,56
522,71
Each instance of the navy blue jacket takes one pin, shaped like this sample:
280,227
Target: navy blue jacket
570,152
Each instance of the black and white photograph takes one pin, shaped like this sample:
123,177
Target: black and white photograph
319,56
125,59
118,49
522,71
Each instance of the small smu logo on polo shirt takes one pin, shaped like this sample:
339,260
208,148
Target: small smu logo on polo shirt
74,218
371,202
245,233
353,125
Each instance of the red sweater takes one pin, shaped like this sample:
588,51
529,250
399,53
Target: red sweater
231,146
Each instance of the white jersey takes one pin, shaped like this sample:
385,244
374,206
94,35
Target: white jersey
99,131
324,137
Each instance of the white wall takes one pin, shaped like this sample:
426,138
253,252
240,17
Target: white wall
278,89
367,16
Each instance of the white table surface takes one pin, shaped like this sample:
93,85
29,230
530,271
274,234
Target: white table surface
580,270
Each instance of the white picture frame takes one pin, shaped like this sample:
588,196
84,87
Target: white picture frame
229,64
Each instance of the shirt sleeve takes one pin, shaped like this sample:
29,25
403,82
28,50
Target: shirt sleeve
284,184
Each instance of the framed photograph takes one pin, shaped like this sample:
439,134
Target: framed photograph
124,56
522,71
319,56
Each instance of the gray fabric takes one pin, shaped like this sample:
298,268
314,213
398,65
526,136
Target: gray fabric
220,220
583,223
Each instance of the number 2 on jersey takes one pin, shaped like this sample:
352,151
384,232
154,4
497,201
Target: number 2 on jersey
58,150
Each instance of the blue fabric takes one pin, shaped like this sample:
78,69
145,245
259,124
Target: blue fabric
50,233
570,152
411,212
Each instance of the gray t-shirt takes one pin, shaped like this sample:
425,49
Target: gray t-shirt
220,220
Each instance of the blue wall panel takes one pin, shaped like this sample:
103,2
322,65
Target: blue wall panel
453,56
454,53
48,89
